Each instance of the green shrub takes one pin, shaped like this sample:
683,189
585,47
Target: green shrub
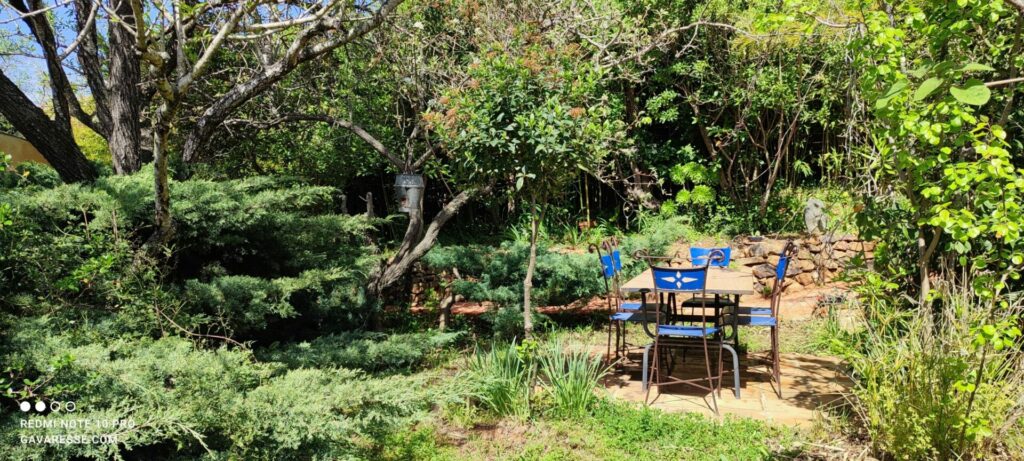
562,276
190,403
324,414
373,352
28,174
506,323
923,389
247,254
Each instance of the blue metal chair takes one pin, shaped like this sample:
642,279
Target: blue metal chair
713,257
700,256
768,317
704,334
620,311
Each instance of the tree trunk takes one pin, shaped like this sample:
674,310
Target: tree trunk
397,267
55,143
89,59
785,139
125,96
164,231
65,103
447,302
925,251
535,217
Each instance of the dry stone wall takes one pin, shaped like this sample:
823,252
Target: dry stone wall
819,259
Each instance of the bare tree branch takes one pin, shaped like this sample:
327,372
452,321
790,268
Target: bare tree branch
1017,3
84,29
1006,82
336,122
302,48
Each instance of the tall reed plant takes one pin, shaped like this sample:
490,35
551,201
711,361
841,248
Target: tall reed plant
501,380
570,377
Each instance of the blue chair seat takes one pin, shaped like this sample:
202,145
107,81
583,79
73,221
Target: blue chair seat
689,331
754,310
698,301
631,306
629,317
757,321
622,316
636,306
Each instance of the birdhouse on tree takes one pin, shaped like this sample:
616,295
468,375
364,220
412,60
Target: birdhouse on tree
408,191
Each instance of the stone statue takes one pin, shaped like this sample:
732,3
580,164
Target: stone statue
815,217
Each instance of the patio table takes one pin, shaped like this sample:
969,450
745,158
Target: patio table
720,282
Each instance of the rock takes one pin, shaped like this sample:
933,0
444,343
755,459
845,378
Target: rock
805,265
804,254
815,247
831,264
764,271
775,247
758,250
850,238
749,261
794,286
869,245
841,245
806,278
759,288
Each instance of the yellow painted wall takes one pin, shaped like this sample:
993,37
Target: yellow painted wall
20,150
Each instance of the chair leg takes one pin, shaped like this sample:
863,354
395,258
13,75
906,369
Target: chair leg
620,339
645,372
776,359
720,371
608,352
710,381
654,374
735,369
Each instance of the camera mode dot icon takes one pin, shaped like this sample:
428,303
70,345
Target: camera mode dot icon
40,406
25,406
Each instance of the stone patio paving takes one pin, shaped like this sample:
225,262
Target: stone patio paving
808,383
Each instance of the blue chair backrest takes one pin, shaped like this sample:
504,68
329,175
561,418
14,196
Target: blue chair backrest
611,264
699,256
680,279
780,269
